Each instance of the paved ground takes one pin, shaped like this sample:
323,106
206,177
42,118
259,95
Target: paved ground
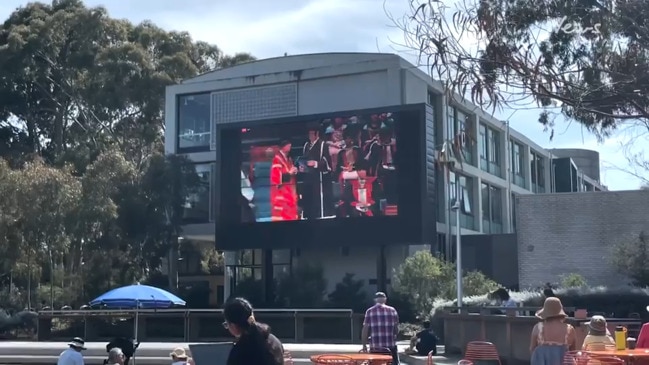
157,353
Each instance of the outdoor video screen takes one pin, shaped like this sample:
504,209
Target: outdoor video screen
340,167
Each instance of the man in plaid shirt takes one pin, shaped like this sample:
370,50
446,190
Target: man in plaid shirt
381,326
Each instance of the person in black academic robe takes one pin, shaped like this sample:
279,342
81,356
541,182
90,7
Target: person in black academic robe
316,188
380,159
350,161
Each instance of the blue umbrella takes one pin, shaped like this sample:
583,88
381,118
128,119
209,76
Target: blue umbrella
137,296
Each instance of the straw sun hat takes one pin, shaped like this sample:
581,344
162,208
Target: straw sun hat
552,308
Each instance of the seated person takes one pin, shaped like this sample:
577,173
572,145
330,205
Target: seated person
424,341
598,336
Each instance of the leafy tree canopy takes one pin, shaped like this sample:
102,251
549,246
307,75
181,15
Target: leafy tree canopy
587,57
86,192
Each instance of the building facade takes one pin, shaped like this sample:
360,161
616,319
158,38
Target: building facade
497,162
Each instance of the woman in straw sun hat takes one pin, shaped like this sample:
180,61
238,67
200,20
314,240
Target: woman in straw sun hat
551,337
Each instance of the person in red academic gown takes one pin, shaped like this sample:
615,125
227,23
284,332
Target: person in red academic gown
283,193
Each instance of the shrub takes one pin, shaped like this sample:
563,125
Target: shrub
423,278
573,280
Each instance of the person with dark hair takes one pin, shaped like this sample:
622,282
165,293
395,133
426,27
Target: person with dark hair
424,341
501,295
254,342
316,189
547,291
127,346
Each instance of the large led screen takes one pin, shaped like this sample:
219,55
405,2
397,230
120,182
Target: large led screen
340,167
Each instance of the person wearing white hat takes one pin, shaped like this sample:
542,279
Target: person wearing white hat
73,356
179,357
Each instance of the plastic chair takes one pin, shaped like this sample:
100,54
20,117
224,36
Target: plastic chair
604,360
481,351
334,360
464,362
288,359
575,358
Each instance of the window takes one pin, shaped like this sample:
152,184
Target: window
466,200
490,150
431,98
483,142
450,122
197,205
492,209
194,129
495,196
537,170
463,127
493,148
517,163
465,193
486,210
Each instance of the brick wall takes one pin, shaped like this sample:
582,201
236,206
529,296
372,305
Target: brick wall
574,232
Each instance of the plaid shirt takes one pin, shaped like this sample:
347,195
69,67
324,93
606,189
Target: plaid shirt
381,320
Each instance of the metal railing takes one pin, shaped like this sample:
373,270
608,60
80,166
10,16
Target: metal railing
299,325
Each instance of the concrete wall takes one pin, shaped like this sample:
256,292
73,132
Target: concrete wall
574,232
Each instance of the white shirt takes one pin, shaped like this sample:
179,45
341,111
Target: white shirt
70,357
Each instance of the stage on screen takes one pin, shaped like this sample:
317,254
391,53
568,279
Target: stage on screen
340,167
353,177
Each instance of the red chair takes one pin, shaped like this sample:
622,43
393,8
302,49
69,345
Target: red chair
464,362
575,358
481,351
604,360
288,359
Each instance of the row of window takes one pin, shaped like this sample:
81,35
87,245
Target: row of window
491,204
489,151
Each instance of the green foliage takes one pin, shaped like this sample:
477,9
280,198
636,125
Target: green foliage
424,278
607,39
573,280
86,194
349,293
629,257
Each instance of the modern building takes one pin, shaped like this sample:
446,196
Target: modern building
498,162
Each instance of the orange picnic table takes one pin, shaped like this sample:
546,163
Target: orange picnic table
352,359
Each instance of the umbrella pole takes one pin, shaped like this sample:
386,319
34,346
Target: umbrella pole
137,324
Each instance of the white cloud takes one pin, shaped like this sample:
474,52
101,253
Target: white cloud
271,28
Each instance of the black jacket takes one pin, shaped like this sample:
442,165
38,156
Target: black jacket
250,350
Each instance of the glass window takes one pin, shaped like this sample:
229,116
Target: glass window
466,186
450,122
282,256
486,213
483,142
540,170
495,198
517,159
492,149
452,188
197,204
194,130
461,121
534,167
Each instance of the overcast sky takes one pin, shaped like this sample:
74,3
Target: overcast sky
271,28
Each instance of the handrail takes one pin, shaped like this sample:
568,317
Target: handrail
477,308
184,311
